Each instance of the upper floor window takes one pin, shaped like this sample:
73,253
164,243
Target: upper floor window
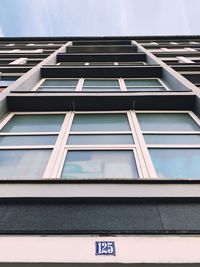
101,85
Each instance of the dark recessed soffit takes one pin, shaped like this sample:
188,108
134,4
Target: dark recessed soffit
104,57
101,72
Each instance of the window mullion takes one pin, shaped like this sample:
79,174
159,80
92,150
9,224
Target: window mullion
55,156
122,84
80,84
143,147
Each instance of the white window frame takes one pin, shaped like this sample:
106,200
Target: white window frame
163,146
60,155
142,157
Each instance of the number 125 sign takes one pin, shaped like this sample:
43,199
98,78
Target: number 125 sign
105,248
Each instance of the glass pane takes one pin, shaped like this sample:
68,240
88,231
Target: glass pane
101,83
100,122
176,162
101,89
23,164
172,139
56,89
34,123
146,89
60,82
143,82
167,122
27,140
100,165
100,139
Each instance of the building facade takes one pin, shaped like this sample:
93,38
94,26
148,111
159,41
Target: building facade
100,151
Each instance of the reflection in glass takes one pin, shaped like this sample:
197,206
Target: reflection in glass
34,123
101,82
172,138
167,122
176,162
27,140
100,122
60,82
93,164
98,139
143,82
23,164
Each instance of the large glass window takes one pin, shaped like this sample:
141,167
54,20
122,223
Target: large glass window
100,146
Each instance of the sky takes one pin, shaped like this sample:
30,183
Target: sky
99,17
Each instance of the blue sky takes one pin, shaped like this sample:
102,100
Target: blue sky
99,17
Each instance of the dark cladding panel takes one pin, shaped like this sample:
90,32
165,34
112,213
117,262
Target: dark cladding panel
99,216
101,72
105,57
65,102
101,49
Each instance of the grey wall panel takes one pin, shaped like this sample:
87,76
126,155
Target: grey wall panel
99,216
180,216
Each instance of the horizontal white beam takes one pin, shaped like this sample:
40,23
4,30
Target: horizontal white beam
99,190
131,249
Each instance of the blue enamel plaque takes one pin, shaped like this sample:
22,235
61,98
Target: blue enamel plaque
105,248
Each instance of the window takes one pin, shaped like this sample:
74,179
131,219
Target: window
101,85
144,85
173,141
100,145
